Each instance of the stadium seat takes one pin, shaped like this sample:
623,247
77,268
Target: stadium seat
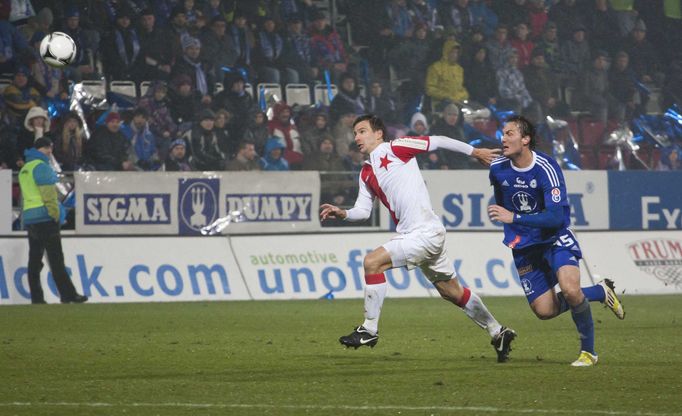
124,88
591,132
271,91
218,87
144,86
297,94
321,95
587,157
249,89
653,106
97,88
4,82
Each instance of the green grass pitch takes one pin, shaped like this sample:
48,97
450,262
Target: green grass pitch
283,358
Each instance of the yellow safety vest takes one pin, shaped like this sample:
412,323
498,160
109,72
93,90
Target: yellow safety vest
29,188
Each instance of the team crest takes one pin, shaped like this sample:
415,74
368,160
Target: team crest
556,195
524,202
527,286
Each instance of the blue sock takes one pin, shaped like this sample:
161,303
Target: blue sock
594,293
582,316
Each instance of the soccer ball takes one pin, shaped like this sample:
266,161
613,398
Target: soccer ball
58,49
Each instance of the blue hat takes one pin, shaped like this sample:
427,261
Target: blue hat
72,12
177,142
24,70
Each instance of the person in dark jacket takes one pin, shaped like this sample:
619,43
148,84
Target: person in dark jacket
237,101
206,153
347,100
176,161
41,216
479,77
107,149
200,73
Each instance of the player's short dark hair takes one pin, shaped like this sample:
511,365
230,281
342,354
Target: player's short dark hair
526,128
375,123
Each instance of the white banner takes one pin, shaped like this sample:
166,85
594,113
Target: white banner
142,269
317,265
461,198
182,203
5,201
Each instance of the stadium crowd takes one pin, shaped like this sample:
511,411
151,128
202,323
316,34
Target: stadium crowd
416,59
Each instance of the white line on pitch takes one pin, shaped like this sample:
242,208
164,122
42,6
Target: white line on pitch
340,407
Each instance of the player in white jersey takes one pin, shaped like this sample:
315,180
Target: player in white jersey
392,175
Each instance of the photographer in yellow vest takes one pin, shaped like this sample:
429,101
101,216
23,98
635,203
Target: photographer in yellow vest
41,216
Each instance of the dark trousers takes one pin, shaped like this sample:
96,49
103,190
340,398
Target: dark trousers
44,237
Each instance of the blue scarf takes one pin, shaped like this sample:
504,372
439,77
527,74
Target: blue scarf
121,48
270,51
199,75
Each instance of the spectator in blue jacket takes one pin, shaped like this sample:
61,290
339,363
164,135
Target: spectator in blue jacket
273,160
143,145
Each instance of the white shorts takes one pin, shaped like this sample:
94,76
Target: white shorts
424,249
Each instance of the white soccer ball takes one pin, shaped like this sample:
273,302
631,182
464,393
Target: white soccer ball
58,49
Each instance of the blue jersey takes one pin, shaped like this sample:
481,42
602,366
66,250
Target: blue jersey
530,191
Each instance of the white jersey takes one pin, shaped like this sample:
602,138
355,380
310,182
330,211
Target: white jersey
392,175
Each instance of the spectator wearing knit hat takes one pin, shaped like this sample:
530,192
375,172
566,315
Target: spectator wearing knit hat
184,100
200,73
107,149
644,59
206,154
156,103
176,161
20,96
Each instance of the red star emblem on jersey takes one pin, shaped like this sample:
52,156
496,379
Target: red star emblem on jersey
384,162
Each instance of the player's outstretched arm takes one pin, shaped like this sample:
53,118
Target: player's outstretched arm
332,211
484,156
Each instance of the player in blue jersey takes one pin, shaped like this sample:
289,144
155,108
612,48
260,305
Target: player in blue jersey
530,195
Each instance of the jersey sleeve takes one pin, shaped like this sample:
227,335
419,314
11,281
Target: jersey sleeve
553,185
363,204
405,148
496,188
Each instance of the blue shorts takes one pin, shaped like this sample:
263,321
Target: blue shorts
538,265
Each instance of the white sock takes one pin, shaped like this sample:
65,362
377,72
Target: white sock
475,309
375,292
